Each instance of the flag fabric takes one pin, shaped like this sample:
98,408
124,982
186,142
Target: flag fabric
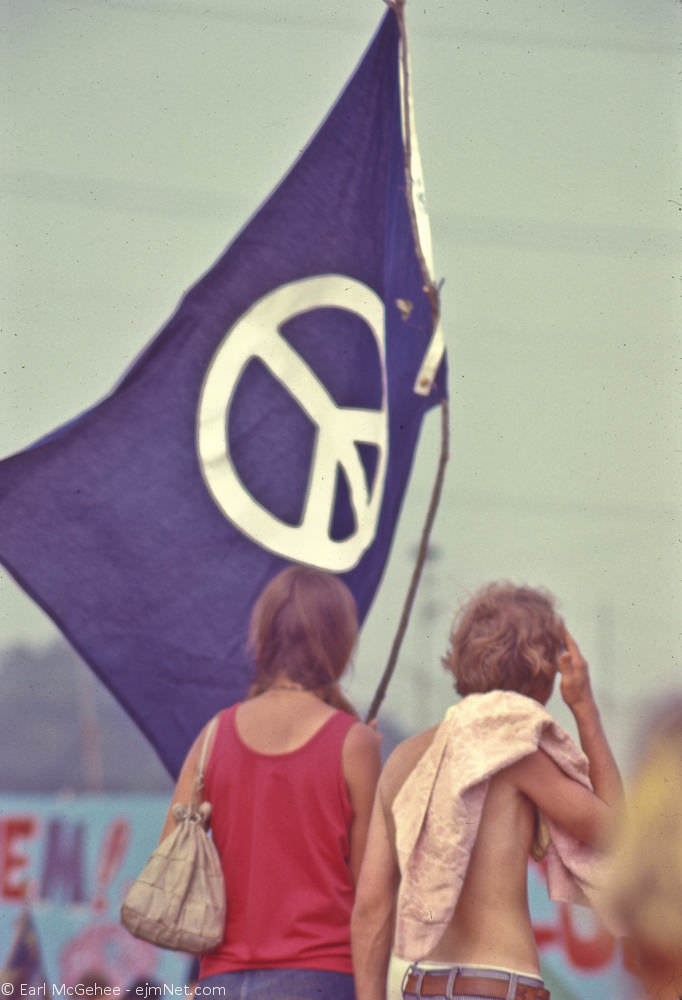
23,966
272,420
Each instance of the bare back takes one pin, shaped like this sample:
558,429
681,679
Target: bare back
280,721
491,924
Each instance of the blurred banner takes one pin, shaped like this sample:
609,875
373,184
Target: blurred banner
580,960
71,860
68,862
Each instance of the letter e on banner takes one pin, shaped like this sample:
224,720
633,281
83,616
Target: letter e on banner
13,861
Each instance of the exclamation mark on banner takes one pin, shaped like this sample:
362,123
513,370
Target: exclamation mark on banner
114,846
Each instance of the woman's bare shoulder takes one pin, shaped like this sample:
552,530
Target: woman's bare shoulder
361,737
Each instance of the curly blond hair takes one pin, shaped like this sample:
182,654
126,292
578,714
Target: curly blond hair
506,638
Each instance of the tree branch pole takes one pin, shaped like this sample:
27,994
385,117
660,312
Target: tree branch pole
418,566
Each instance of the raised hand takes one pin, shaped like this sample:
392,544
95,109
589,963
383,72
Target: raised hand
576,691
575,678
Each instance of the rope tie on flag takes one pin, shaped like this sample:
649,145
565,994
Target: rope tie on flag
414,189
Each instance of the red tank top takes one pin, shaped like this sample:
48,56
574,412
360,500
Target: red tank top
281,824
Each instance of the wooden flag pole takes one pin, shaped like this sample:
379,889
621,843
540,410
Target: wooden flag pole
418,566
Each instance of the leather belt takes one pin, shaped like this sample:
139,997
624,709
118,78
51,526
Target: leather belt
435,984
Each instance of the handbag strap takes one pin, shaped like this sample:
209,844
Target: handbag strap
198,786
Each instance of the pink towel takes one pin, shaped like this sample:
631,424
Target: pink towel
438,809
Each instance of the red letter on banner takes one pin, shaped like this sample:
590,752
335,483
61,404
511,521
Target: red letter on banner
12,860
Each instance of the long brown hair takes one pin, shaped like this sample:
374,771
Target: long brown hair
304,625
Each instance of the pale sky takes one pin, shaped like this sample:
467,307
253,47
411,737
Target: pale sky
140,135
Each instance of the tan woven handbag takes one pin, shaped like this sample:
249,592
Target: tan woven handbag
178,900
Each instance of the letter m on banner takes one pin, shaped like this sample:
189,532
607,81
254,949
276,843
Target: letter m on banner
272,420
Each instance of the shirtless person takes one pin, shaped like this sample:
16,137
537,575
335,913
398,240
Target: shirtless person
505,651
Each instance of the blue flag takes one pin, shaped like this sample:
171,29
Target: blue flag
272,420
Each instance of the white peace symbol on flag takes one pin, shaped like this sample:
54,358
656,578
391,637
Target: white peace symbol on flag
256,335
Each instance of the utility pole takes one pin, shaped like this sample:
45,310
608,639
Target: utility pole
91,743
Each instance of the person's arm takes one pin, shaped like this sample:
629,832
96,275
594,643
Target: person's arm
372,922
572,806
361,768
185,782
576,691
587,815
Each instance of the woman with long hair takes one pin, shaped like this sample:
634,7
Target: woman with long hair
291,777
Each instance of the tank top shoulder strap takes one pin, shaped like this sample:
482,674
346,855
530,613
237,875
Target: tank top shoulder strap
333,732
224,737
227,726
